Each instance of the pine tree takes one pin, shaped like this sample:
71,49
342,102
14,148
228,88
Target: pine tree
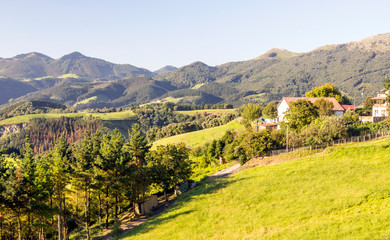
137,148
111,164
83,173
60,170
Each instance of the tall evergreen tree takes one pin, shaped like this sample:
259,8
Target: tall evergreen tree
60,170
83,170
137,148
171,165
111,165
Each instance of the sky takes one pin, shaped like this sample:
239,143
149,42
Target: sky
155,33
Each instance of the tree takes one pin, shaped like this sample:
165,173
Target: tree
257,144
300,114
59,165
249,113
111,164
324,129
170,166
324,107
367,105
350,117
387,83
137,146
328,90
83,170
270,111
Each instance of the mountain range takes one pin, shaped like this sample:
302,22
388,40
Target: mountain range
356,68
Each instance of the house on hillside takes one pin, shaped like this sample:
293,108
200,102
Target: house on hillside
283,105
379,107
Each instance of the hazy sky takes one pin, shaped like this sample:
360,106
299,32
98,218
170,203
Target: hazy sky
155,33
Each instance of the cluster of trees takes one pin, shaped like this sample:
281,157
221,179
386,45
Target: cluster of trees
251,112
328,90
187,107
239,147
161,121
43,132
199,123
50,194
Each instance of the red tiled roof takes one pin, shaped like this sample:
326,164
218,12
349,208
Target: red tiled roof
268,124
350,107
336,105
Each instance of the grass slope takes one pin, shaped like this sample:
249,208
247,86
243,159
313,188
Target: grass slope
342,193
207,111
103,116
199,138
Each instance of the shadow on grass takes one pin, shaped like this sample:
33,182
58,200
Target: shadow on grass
204,188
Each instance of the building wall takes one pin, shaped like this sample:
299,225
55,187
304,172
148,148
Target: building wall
282,108
380,111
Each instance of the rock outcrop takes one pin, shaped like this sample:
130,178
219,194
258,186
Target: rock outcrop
14,128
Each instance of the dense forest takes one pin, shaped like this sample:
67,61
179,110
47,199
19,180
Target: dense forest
157,121
50,194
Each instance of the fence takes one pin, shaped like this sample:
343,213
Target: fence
362,138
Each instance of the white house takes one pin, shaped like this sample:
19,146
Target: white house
380,106
283,105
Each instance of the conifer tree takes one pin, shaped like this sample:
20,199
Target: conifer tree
171,166
83,173
60,170
111,164
137,148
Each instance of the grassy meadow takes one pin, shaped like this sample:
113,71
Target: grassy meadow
199,138
341,193
103,116
207,111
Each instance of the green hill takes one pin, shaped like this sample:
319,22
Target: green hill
36,65
11,88
354,67
341,193
198,138
82,93
81,81
126,115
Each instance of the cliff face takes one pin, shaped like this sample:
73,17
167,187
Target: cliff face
7,129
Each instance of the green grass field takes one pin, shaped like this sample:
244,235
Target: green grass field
103,116
208,111
199,138
341,193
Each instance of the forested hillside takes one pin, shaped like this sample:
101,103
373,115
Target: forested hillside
35,65
357,68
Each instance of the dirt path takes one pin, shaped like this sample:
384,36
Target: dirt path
225,172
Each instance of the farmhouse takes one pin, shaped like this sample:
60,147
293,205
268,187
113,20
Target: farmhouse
380,106
283,106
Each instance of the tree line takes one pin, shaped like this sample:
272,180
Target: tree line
93,181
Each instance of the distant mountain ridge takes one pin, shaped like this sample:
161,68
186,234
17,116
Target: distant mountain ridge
356,68
165,70
36,65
